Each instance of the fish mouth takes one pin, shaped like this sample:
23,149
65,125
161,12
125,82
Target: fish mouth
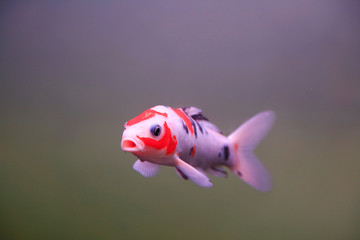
131,145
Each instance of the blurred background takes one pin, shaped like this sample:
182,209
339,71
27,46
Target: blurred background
73,72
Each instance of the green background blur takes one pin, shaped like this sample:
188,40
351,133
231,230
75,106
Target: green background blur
73,72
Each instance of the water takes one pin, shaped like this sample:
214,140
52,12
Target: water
73,74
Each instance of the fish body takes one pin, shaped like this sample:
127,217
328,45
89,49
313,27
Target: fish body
185,139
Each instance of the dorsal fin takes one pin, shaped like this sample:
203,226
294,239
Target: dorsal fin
192,111
196,114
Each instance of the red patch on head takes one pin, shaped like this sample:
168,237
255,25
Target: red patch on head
185,118
143,116
167,141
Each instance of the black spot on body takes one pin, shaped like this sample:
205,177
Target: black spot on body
226,152
201,130
191,151
239,173
185,127
191,120
194,126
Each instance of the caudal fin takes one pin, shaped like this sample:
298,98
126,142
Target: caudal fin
244,140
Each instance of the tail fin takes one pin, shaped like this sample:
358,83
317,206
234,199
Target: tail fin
244,140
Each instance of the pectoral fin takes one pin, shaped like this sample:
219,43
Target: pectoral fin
181,174
192,173
146,169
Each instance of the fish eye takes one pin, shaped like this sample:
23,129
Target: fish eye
155,130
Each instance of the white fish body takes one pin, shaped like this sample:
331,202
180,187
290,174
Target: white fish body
183,138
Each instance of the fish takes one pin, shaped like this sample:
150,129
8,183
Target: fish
183,138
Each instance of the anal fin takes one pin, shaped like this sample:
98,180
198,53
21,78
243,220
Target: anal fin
147,169
217,172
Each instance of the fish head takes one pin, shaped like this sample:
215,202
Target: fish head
148,136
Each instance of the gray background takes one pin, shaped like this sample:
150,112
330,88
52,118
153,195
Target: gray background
73,72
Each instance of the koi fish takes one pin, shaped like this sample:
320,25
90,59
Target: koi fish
185,139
